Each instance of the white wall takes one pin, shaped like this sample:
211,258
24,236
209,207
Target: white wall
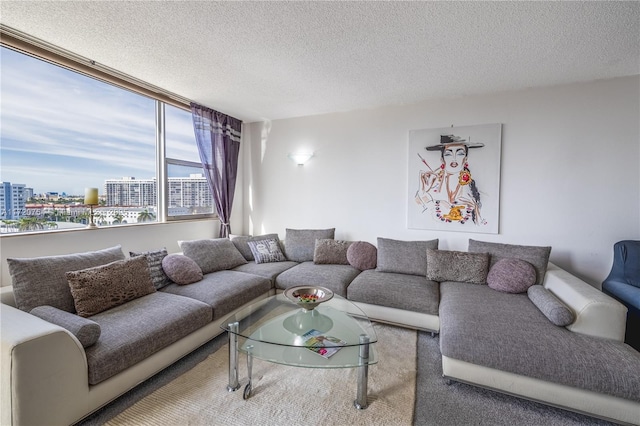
130,237
569,178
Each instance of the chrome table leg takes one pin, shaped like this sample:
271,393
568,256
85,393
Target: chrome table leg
363,373
233,357
247,389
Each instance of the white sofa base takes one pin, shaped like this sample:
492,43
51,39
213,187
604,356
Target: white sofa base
44,369
569,398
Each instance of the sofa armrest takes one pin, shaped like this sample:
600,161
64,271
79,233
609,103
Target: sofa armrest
43,376
597,314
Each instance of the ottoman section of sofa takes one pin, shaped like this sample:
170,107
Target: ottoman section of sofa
401,291
507,332
137,329
224,291
334,277
268,270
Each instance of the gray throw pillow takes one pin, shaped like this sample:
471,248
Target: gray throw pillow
300,244
154,257
104,287
213,255
460,266
538,256
329,251
362,255
550,306
242,243
404,257
181,269
41,281
85,330
266,251
511,276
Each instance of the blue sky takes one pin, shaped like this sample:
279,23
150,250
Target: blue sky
61,131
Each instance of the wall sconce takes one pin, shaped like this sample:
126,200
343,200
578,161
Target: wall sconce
91,199
301,157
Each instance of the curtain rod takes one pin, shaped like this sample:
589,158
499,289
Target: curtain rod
38,48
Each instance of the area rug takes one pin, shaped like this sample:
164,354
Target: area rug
284,395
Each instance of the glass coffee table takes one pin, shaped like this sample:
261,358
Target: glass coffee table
278,330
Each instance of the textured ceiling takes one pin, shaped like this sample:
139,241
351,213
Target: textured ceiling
271,60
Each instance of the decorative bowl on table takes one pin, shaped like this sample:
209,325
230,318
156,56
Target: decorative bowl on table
308,297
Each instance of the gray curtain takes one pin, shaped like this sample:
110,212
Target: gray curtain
218,138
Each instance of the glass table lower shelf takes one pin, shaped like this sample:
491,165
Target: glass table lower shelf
336,334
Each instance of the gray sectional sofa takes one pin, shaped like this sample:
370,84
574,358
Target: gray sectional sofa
59,366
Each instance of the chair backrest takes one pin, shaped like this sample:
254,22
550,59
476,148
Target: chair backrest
626,262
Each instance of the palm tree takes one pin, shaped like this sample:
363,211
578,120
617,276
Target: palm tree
146,216
117,218
30,224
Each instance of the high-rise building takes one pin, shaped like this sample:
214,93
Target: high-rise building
130,191
186,194
12,200
192,191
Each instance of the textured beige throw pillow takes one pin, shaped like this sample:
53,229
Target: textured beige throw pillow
103,287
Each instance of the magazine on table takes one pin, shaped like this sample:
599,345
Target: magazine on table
321,344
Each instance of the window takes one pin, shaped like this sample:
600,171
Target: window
63,131
188,189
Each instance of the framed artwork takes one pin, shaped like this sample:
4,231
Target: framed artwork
454,178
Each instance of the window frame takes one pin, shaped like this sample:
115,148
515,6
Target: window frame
43,51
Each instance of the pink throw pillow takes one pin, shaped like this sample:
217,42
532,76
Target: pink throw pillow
511,275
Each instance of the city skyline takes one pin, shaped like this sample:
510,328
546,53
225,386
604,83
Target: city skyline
63,132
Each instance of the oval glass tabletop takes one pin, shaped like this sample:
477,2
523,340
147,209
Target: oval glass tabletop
278,330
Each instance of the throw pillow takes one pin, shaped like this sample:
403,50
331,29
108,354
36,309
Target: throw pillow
329,251
242,243
41,281
460,266
103,287
511,276
536,255
159,278
266,251
404,257
213,255
300,244
85,330
362,255
181,269
550,306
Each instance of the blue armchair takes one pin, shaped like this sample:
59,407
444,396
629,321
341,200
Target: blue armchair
623,284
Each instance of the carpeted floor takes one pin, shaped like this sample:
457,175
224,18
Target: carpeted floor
436,403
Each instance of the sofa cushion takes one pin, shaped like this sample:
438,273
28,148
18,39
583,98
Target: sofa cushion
362,255
241,243
507,332
300,244
445,265
181,269
224,291
511,276
334,277
266,251
103,287
400,291
538,256
266,270
154,257
140,328
404,257
213,254
42,281
550,306
330,251
86,331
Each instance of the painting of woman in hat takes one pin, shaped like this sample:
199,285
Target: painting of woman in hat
449,191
